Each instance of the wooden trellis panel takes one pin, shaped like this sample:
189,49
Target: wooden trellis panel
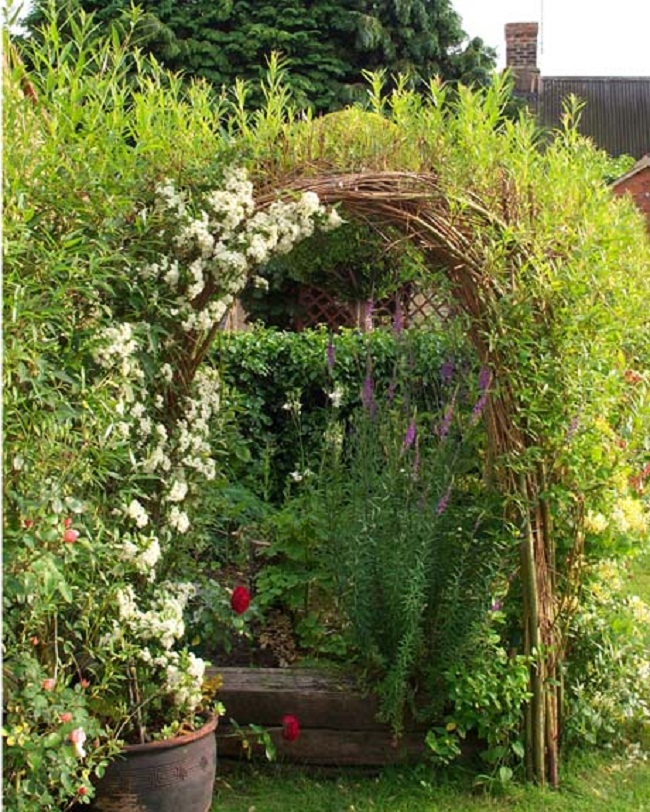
319,307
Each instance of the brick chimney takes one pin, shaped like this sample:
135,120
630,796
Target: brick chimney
521,56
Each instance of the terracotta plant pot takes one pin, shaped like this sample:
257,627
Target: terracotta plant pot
174,775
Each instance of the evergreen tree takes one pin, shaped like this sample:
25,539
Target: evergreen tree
326,44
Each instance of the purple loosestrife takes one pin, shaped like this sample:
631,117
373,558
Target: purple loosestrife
409,437
368,395
444,501
447,371
443,428
484,380
331,355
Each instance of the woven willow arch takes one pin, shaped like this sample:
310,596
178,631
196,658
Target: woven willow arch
534,248
449,236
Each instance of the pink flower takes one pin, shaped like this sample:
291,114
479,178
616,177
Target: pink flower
34,640
65,717
48,684
84,683
28,523
290,727
240,600
78,737
70,536
67,522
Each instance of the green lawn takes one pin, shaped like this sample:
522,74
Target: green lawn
590,784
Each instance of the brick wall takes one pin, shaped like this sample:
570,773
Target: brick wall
637,184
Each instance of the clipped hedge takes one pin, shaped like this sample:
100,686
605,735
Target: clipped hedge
266,370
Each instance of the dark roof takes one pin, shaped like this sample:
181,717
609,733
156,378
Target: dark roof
616,114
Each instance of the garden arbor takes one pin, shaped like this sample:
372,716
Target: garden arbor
546,271
540,264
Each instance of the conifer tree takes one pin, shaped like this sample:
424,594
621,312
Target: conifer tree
326,44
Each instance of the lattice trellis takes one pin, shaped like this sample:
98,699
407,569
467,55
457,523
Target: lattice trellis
411,304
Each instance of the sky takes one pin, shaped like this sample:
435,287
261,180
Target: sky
576,38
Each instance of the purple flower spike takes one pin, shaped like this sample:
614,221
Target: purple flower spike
368,395
331,354
447,371
484,379
442,504
496,606
409,437
443,429
477,411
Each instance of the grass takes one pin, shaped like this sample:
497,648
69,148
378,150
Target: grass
590,784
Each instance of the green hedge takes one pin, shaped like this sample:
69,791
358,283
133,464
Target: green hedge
265,369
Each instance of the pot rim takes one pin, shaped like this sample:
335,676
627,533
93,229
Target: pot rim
176,741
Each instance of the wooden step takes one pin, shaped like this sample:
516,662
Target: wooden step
338,722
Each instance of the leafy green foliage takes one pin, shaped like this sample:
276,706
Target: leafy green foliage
415,540
279,439
326,45
608,693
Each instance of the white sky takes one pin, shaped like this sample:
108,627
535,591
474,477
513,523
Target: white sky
577,37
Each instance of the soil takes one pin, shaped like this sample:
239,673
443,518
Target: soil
272,645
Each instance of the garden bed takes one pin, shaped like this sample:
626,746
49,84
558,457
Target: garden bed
338,724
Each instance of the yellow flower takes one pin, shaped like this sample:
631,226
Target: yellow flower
595,522
629,516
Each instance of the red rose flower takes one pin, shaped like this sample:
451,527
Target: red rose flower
240,600
290,727
82,790
70,536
